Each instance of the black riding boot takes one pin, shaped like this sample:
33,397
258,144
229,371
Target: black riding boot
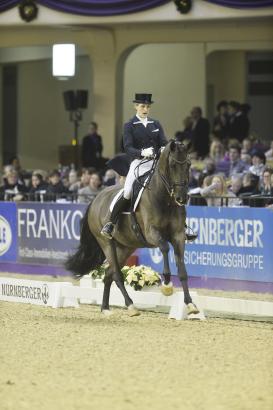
119,206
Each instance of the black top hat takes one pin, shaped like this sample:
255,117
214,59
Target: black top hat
143,99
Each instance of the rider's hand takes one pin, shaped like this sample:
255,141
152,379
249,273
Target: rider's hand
161,149
147,152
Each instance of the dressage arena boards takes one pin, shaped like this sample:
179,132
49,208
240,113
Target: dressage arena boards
78,359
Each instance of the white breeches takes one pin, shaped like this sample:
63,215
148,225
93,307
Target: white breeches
133,173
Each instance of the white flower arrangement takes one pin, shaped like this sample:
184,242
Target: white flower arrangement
135,276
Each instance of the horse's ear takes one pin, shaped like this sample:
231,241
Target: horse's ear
188,144
172,146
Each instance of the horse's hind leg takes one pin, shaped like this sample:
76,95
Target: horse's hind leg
117,256
106,293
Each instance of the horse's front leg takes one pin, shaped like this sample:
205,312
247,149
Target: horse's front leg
155,238
179,248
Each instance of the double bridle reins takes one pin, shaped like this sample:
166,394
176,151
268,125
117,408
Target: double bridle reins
171,186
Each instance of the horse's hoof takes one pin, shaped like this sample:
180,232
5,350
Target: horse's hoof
107,312
192,309
133,311
166,290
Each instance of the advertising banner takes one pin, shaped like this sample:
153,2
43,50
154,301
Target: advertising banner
8,232
29,291
48,232
233,243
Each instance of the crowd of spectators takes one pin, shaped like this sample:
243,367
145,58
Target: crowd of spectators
229,167
234,168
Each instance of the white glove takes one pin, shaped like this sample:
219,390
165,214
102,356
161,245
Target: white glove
147,152
161,149
194,191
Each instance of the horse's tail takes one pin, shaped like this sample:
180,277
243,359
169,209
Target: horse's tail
89,254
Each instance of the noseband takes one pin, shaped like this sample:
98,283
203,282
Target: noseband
171,186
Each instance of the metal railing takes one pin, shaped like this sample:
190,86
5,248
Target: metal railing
257,201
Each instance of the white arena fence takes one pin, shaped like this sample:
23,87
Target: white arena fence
65,294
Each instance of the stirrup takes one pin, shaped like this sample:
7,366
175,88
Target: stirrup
107,230
191,235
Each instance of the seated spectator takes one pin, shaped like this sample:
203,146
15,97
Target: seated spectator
73,181
195,197
209,168
247,146
217,194
236,183
86,175
217,151
234,165
12,189
16,165
87,194
258,164
246,158
269,153
55,188
250,183
38,187
110,178
266,188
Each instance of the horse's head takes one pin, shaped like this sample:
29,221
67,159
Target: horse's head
174,165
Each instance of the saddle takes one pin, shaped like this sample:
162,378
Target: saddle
138,188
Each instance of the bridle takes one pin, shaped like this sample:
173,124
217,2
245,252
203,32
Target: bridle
170,186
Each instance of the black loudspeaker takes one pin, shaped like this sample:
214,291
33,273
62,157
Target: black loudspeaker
82,98
70,101
74,100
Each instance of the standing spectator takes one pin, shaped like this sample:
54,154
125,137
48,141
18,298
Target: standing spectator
186,134
92,147
87,194
220,122
200,132
238,122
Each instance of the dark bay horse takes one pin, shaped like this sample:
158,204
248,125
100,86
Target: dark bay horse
161,215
